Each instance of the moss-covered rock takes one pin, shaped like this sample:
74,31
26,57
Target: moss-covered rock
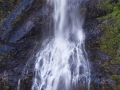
103,45
6,7
109,43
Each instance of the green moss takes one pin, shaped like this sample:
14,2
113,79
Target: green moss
112,9
110,42
5,85
116,78
1,62
1,11
11,1
26,79
16,20
105,65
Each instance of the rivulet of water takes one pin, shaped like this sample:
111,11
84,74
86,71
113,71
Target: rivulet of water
62,63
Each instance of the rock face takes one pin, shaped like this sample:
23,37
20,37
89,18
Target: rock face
22,31
21,35
103,71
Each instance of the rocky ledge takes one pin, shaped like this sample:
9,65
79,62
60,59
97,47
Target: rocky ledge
23,26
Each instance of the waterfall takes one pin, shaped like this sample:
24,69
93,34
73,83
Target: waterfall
62,62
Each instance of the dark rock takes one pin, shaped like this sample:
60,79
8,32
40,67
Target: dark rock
20,41
18,34
5,49
93,8
28,9
118,72
14,15
43,11
93,34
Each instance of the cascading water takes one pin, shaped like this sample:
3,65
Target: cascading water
62,63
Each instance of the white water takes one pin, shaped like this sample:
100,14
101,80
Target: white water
62,63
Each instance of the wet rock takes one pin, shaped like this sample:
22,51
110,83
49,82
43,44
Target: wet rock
118,51
16,35
118,72
7,25
94,32
18,17
5,48
20,39
93,8
43,11
13,66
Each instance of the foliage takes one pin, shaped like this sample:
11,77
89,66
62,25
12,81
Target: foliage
110,42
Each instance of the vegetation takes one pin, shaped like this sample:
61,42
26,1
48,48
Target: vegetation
17,20
110,42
